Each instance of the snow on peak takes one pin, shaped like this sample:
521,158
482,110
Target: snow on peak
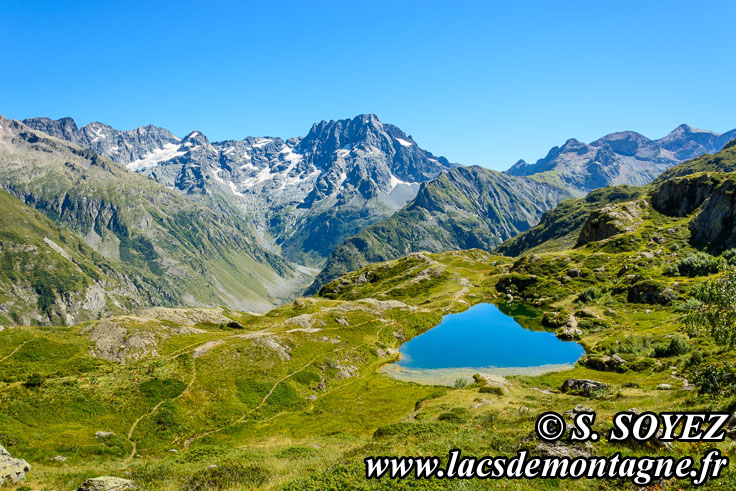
405,143
290,155
168,152
261,142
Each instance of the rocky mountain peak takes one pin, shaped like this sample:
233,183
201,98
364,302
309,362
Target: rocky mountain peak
624,157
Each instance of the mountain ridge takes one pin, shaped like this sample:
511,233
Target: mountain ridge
305,195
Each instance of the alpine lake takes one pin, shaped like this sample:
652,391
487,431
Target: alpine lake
483,339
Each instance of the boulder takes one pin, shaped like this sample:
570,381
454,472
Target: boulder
605,363
569,333
107,483
104,434
12,470
585,387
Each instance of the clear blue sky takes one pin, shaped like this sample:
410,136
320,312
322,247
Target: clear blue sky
478,82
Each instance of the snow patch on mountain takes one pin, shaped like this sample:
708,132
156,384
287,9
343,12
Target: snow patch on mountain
168,152
395,181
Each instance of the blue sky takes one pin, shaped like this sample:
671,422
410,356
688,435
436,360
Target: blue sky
479,82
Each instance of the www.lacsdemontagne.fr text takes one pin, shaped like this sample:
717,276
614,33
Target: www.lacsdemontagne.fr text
639,470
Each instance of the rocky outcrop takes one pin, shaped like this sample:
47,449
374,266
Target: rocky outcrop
128,338
682,196
583,386
107,483
714,226
12,470
611,220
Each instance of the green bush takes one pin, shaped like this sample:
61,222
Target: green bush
730,256
677,346
717,314
641,365
33,381
296,453
715,379
227,475
460,383
491,389
457,415
696,358
688,305
305,377
697,264
589,294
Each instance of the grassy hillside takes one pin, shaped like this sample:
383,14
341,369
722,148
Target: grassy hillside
47,274
296,399
559,228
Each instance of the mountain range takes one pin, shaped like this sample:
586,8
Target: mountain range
303,195
483,208
250,223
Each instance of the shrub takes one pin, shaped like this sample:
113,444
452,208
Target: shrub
696,358
491,389
589,294
460,383
641,365
688,305
33,381
717,313
305,377
228,475
489,419
697,264
715,379
457,415
159,389
677,346
636,345
730,256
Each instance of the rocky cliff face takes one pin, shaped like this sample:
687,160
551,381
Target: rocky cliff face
681,196
714,226
623,158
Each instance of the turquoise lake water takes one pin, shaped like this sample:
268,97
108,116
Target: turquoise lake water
483,336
